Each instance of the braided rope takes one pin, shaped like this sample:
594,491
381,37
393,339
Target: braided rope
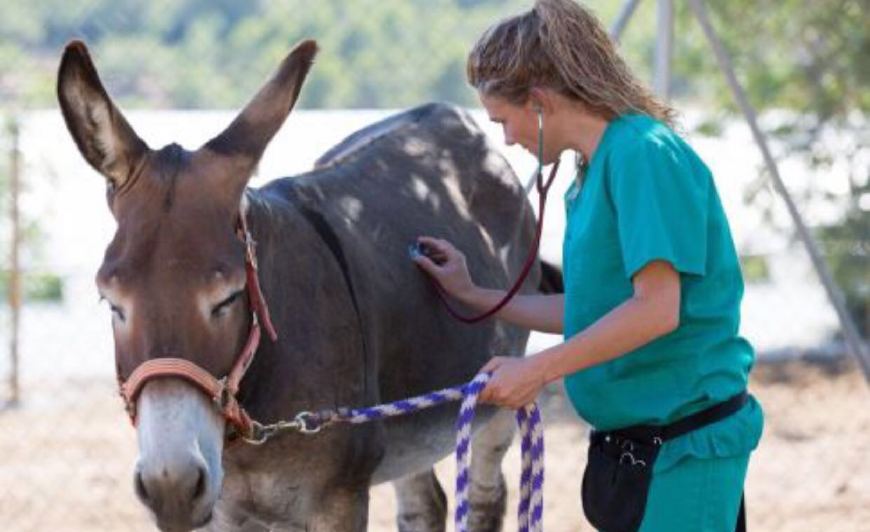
531,506
530,513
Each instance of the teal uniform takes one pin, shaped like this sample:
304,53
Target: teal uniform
647,196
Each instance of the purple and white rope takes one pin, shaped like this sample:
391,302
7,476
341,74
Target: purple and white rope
530,513
531,504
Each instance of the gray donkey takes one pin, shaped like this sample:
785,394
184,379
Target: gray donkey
357,323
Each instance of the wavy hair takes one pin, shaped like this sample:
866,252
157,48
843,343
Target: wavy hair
561,45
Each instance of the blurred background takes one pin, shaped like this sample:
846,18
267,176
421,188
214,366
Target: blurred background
180,69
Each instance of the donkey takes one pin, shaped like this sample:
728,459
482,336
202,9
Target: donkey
357,323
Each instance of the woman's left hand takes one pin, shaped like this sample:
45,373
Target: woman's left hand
515,382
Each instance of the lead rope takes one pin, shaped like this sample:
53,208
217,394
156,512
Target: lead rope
530,511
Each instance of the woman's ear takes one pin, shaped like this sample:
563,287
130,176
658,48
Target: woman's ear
541,100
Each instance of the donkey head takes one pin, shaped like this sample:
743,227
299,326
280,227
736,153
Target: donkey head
174,273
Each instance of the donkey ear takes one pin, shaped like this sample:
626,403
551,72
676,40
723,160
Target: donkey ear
248,135
100,131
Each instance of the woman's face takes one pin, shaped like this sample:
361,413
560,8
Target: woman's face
519,123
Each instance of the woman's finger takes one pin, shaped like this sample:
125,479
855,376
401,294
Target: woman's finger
486,394
431,242
438,245
493,364
427,265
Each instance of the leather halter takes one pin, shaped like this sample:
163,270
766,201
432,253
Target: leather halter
222,391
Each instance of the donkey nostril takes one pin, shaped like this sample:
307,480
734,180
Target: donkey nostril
199,488
140,487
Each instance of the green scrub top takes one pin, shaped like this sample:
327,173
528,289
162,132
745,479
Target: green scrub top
647,196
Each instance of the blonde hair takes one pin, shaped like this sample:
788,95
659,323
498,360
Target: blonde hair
560,45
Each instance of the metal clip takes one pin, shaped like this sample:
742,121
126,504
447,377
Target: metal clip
308,423
631,459
259,434
304,423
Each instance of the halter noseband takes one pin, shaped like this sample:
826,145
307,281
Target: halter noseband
222,391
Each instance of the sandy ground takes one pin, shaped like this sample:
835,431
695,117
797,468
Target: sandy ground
68,469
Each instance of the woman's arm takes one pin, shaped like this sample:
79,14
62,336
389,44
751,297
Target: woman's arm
447,265
539,312
651,312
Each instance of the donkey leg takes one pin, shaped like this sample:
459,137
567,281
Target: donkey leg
422,503
487,493
341,509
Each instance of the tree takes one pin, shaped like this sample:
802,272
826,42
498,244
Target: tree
813,60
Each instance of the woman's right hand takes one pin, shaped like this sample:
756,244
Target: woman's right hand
447,265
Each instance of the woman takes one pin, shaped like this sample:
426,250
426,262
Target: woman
652,281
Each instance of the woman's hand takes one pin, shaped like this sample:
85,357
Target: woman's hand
515,382
447,265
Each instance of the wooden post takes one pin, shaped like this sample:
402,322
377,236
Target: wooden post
15,260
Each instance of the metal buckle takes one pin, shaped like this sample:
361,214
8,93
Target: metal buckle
223,398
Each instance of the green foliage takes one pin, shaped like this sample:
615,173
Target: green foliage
215,54
811,59
809,56
754,268
35,286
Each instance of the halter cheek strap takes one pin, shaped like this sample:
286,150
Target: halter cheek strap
258,305
222,391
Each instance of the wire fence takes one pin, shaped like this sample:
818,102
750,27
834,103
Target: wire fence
67,450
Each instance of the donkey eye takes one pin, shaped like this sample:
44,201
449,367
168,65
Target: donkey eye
116,310
225,304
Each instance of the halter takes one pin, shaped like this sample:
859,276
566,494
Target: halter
222,391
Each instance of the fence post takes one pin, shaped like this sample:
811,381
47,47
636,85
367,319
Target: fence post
15,260
625,13
664,49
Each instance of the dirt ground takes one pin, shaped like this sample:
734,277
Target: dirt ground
68,469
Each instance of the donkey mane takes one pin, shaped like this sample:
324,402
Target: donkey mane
168,163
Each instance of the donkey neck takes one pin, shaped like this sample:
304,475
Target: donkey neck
306,278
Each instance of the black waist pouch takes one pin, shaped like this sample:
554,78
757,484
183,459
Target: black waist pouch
616,481
620,464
